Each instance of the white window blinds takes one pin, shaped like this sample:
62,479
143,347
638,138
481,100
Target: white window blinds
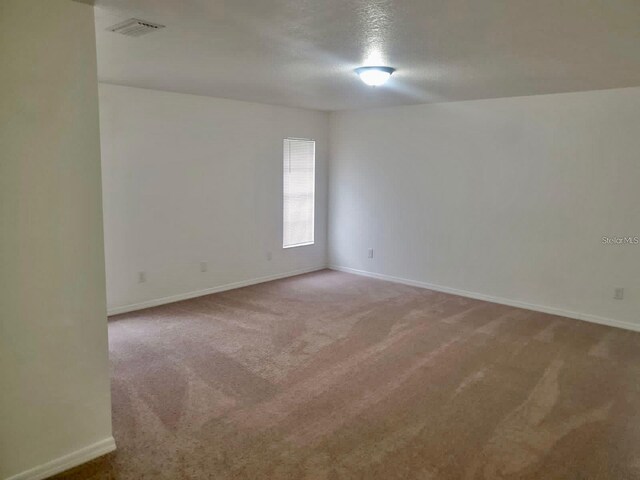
299,192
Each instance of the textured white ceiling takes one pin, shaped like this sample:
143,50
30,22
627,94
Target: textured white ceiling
302,52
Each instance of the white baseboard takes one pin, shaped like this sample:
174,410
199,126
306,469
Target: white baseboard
488,298
199,293
68,461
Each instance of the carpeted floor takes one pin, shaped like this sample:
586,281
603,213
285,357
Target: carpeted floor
333,376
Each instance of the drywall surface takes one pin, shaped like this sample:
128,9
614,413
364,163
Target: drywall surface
507,198
55,400
190,179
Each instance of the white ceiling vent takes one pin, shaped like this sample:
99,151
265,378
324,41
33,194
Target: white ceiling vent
134,27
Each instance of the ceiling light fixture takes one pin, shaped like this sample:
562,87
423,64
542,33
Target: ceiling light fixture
374,76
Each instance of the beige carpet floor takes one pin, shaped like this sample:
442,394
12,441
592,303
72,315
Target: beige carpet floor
333,376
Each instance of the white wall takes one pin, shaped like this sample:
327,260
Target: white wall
54,383
190,179
508,198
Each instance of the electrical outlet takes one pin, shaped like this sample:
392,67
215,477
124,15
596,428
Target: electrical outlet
618,293
203,267
142,277
269,256
370,253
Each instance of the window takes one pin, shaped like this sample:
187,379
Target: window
299,192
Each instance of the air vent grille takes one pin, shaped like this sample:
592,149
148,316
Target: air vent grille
135,27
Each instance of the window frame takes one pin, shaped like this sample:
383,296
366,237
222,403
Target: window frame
286,145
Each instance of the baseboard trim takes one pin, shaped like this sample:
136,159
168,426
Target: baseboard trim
208,291
586,317
68,461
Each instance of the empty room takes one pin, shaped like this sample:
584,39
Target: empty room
320,239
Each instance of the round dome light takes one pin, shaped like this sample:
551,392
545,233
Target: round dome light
374,76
